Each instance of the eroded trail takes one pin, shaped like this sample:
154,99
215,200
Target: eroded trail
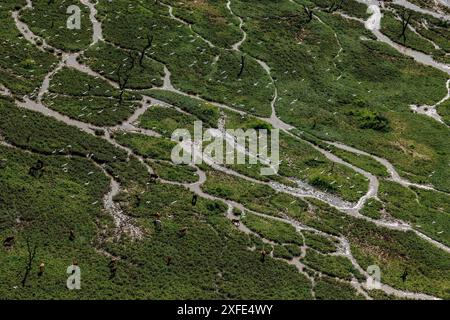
311,192
431,111
304,190
97,34
124,224
373,24
416,8
394,176
237,45
183,22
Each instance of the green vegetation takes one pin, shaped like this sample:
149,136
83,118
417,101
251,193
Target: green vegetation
432,6
193,267
367,119
202,110
43,210
270,229
303,162
429,29
444,112
392,27
48,19
23,66
351,7
282,252
47,227
196,68
31,130
212,20
317,95
394,251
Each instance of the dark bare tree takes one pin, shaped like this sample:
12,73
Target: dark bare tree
31,250
182,232
242,66
147,46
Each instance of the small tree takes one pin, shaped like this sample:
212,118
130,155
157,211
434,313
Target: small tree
31,250
406,18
